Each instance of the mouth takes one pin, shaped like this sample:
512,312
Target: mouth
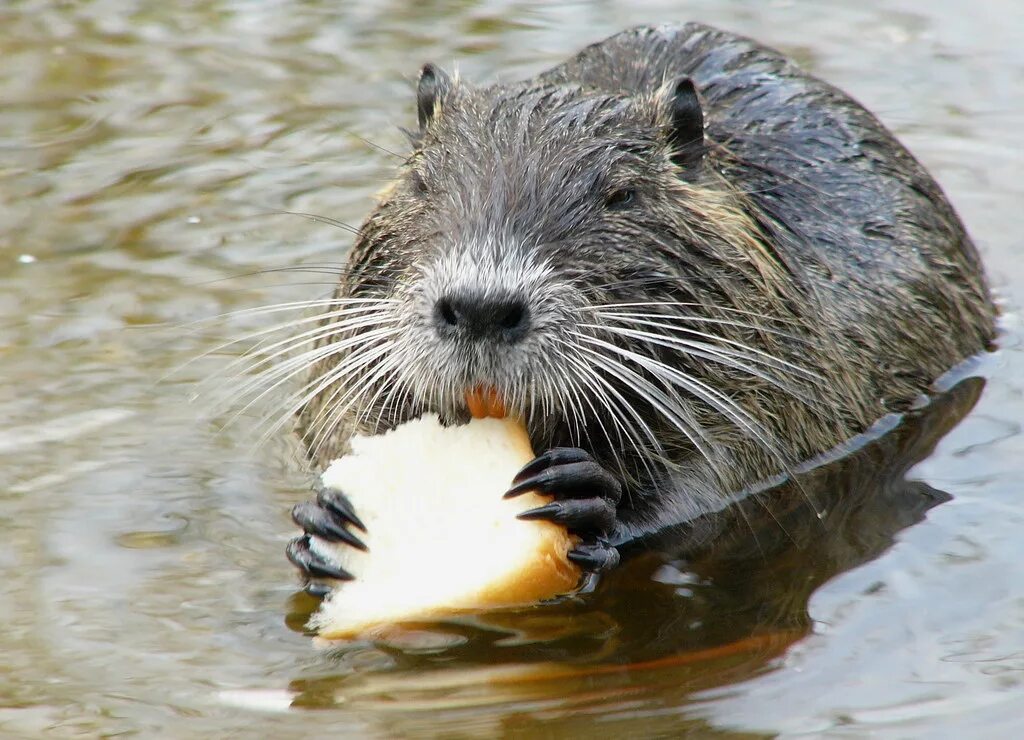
483,401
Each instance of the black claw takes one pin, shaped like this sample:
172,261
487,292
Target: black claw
578,515
550,511
523,486
554,456
336,501
317,590
580,479
319,521
310,564
594,558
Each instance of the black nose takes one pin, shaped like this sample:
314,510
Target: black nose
475,317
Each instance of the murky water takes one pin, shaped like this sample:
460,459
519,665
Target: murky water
146,152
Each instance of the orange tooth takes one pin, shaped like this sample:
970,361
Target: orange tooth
484,401
475,402
496,407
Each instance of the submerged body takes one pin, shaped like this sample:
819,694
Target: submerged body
685,263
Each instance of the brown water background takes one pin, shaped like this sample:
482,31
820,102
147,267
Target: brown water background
146,149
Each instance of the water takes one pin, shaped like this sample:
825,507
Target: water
146,150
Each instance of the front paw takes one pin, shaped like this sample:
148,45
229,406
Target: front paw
586,497
328,518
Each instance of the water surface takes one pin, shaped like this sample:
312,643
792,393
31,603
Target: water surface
146,152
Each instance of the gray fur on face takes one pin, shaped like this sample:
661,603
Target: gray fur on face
490,268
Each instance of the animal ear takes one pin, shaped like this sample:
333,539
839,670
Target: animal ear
431,90
686,132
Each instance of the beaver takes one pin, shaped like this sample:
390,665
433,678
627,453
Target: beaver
685,263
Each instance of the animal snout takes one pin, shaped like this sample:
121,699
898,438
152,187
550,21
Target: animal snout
482,318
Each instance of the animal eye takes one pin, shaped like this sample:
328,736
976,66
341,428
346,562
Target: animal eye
419,185
621,198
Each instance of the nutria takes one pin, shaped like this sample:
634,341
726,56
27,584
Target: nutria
686,263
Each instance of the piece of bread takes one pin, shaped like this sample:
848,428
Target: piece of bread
441,539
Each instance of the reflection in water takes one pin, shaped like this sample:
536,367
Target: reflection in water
739,582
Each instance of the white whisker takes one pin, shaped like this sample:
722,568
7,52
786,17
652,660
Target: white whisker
291,368
352,364
714,354
671,322
270,353
297,363
280,307
717,400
